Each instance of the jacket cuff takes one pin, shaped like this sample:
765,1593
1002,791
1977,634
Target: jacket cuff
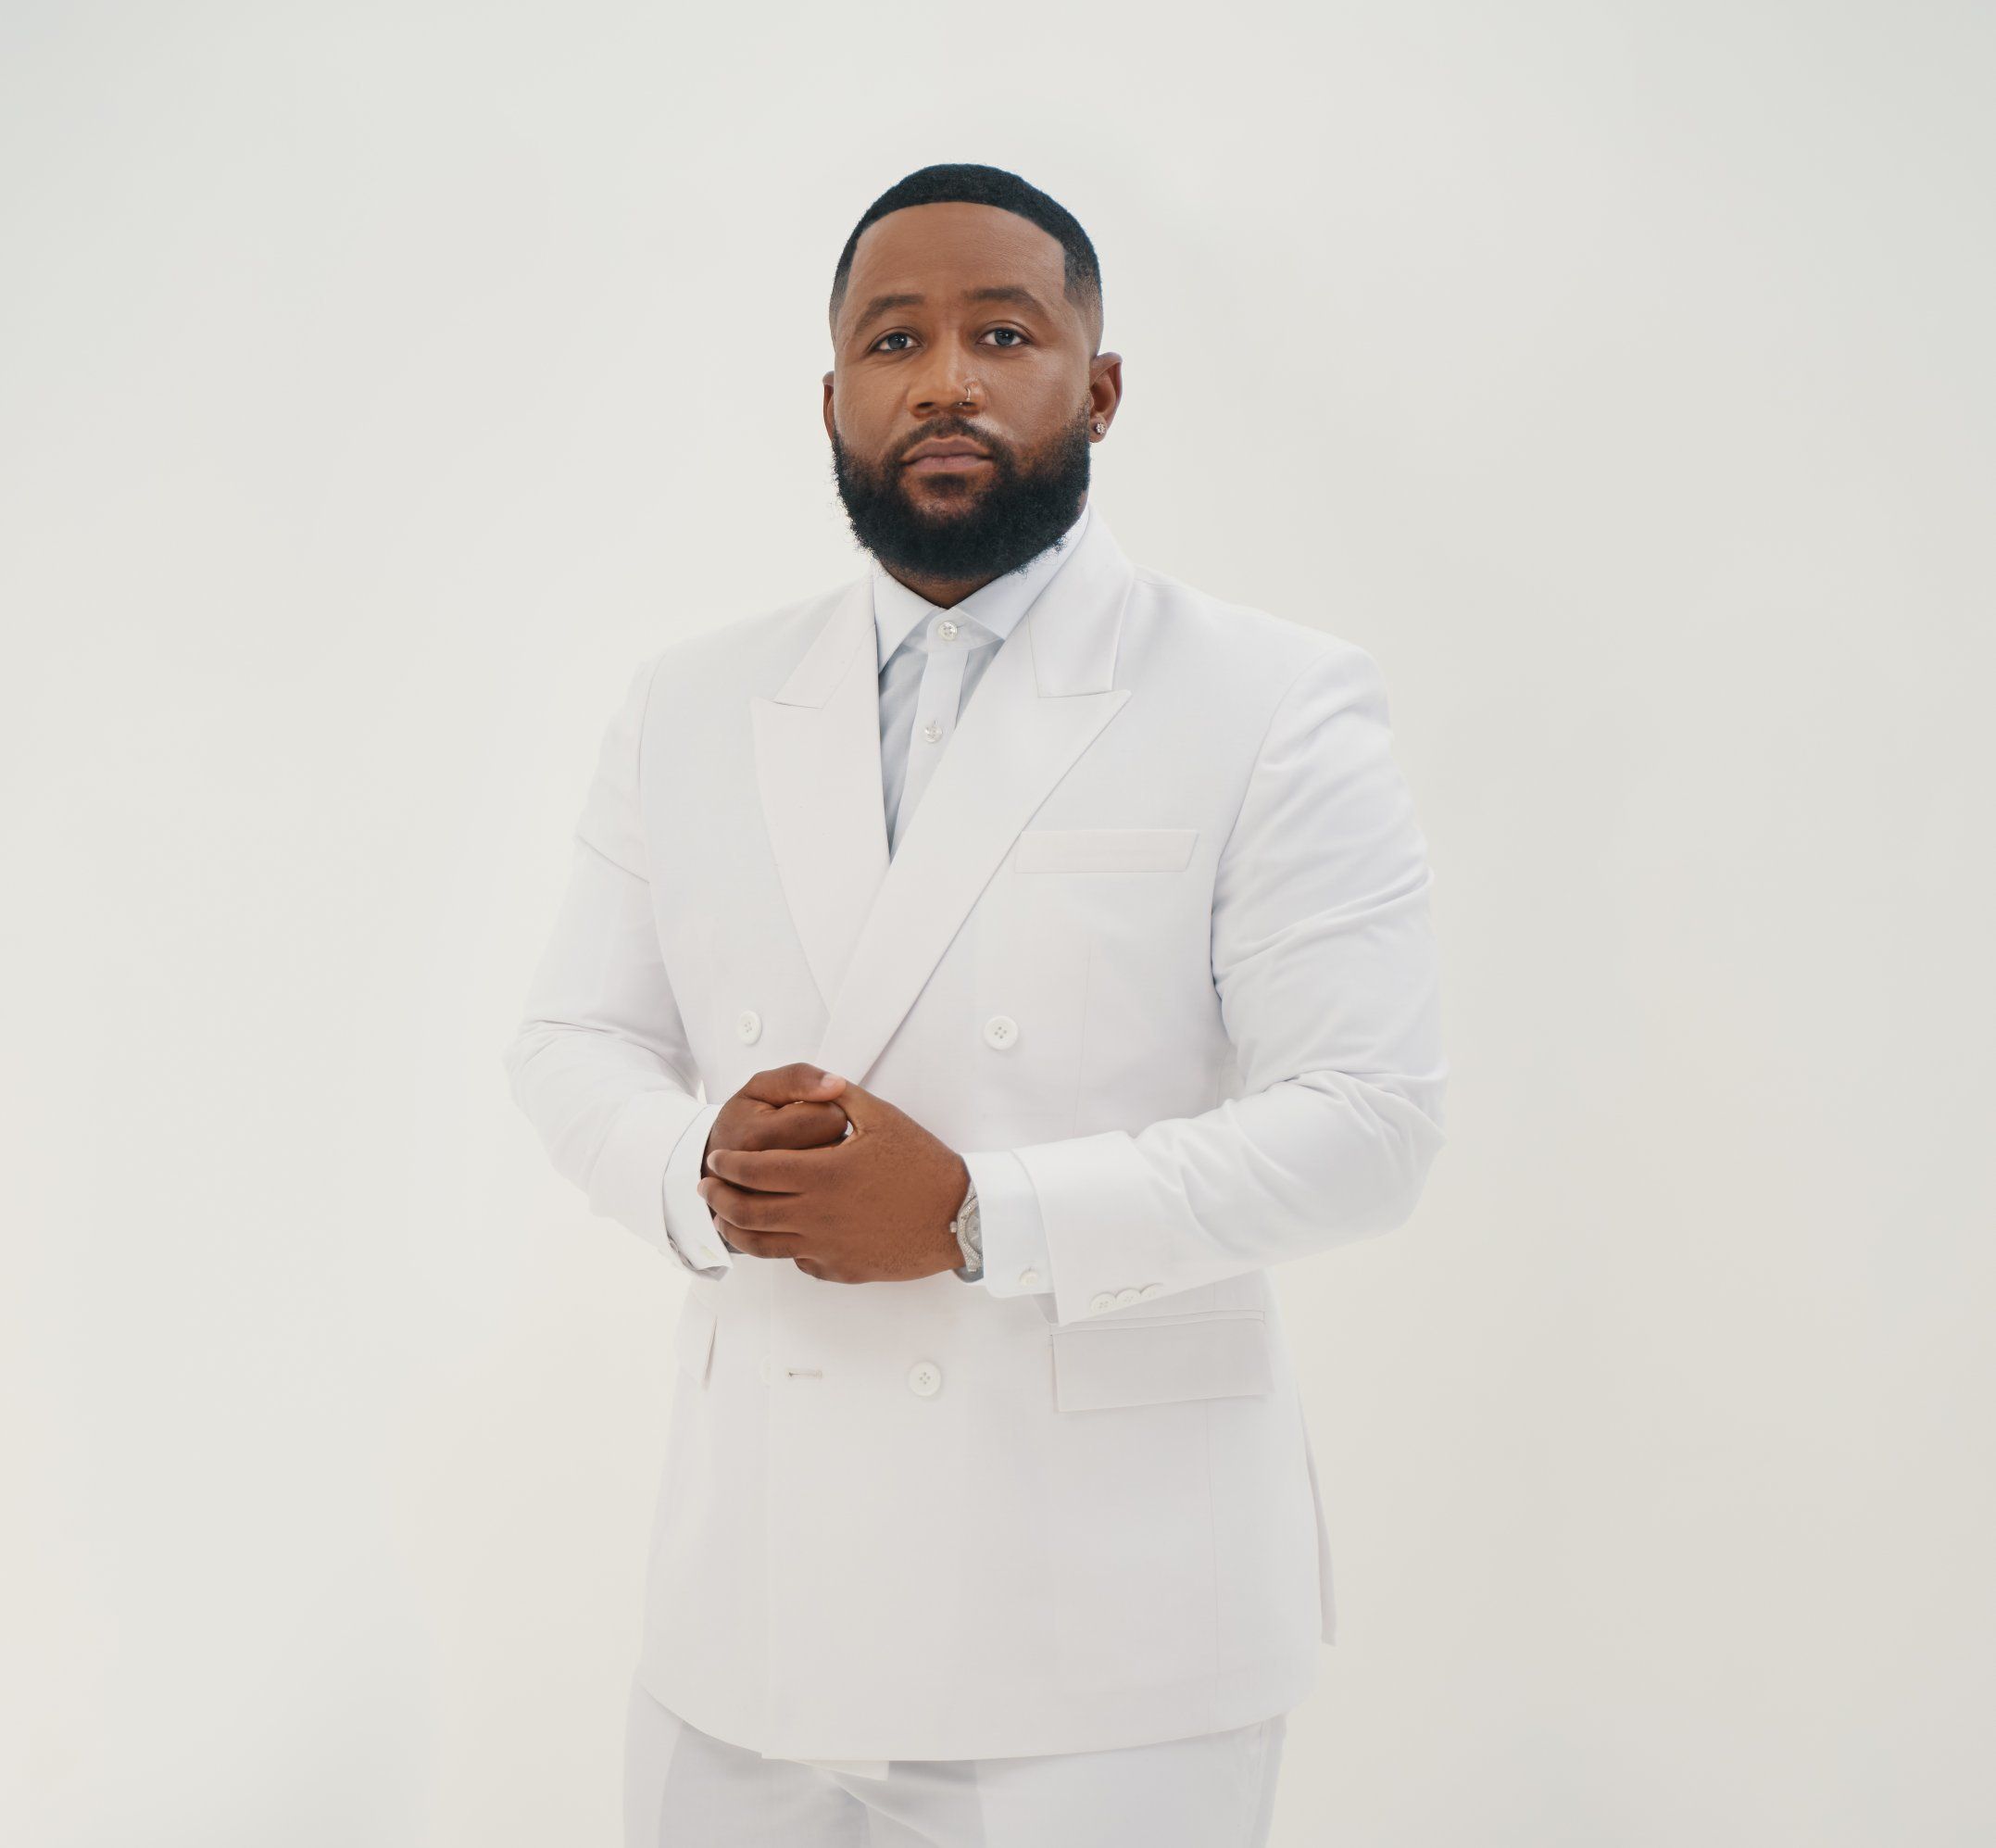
691,1235
1110,1213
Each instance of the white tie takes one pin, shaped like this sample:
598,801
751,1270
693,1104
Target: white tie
946,644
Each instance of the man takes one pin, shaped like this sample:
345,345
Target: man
1052,942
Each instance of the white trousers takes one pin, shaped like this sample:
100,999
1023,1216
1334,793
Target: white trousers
686,1789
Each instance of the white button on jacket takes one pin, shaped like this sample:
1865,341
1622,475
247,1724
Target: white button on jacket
1166,856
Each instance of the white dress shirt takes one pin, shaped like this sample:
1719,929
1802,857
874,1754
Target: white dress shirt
930,662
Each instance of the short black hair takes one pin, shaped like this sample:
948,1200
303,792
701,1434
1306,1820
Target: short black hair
956,180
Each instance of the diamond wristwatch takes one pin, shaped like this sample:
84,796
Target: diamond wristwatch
970,1237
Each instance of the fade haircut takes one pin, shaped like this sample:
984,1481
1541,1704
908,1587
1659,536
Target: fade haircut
975,185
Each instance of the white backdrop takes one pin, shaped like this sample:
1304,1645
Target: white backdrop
380,382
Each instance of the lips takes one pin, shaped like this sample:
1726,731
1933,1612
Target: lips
945,449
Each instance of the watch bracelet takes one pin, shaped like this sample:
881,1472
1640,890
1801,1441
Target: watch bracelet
968,1227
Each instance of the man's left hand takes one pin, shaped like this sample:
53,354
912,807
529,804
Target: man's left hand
873,1208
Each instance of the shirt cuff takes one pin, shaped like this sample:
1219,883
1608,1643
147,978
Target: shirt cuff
695,1240
1016,1262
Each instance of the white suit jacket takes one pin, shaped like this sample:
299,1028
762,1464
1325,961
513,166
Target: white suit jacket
1160,930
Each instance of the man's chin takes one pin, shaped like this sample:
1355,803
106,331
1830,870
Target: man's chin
952,496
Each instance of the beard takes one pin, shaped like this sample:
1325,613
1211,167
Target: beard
960,528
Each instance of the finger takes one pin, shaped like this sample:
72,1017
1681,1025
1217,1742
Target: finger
793,1084
762,1244
773,1171
755,1211
793,1126
857,1103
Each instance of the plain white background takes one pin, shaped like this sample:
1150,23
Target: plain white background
379,384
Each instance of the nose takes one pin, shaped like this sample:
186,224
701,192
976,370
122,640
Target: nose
947,389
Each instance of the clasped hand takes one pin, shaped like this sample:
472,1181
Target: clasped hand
784,1179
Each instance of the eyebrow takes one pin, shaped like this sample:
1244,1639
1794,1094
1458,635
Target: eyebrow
882,305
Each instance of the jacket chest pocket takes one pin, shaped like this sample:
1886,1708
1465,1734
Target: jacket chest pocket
1157,1359
1104,850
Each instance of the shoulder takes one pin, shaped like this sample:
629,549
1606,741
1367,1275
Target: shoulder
743,655
1258,655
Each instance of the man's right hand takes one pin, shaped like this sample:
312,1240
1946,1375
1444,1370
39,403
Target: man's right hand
787,1107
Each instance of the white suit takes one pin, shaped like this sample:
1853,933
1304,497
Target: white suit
1158,933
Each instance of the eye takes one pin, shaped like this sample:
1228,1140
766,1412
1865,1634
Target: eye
1018,338
899,333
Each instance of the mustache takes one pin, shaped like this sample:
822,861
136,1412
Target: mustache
942,429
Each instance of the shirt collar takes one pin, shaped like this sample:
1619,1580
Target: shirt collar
998,606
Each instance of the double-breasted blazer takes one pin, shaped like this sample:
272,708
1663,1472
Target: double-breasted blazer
1161,927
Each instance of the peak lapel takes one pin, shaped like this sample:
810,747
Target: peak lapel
817,748
1043,700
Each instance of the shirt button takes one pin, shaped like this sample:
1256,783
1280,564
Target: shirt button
924,1379
1029,1278
1101,1300
748,1024
946,629
1000,1030
932,731
1126,1295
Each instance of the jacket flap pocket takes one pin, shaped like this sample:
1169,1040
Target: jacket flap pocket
1097,1364
695,1339
1103,850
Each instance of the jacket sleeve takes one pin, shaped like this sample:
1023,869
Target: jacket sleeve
601,1063
1327,973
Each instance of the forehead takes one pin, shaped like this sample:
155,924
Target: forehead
940,250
